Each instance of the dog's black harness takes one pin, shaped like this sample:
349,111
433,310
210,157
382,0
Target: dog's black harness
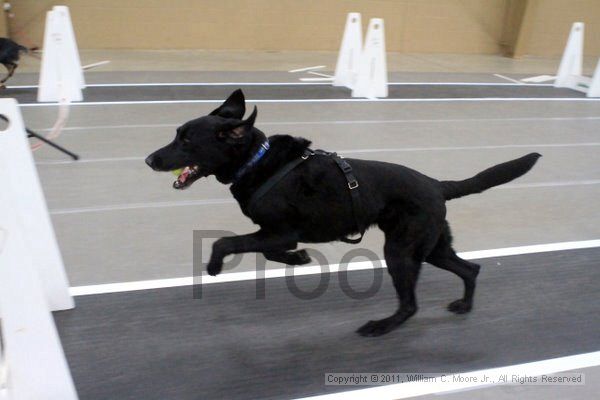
350,178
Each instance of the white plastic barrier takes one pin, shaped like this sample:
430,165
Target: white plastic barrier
19,180
372,81
32,278
570,70
61,75
594,90
346,69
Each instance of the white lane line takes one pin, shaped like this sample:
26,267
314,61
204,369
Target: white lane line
357,151
454,148
509,79
467,380
179,84
150,84
531,249
345,122
320,74
190,203
306,69
138,206
89,161
94,65
549,184
345,100
539,79
315,269
93,127
316,79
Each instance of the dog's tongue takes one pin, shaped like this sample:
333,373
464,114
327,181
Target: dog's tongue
184,178
185,174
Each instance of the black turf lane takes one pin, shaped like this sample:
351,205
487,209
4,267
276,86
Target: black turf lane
286,92
163,344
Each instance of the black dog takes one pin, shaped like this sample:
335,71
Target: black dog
312,203
10,52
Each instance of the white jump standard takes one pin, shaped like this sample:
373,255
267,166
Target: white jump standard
570,70
346,69
33,281
362,68
61,75
372,81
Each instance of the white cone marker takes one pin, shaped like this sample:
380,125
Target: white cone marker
61,75
570,70
346,69
372,81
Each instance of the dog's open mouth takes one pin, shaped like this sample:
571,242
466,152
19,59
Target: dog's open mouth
187,176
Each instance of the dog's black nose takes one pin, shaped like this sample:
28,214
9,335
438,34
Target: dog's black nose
150,161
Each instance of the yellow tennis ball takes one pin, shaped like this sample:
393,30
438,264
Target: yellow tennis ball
177,172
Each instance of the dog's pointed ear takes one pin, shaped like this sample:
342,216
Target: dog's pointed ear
238,132
233,107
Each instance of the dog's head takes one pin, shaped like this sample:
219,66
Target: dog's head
216,144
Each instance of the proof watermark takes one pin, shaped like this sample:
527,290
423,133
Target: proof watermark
449,379
204,245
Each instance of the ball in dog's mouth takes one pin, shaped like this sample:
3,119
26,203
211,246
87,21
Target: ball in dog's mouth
187,176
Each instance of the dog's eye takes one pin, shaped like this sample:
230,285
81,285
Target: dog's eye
185,138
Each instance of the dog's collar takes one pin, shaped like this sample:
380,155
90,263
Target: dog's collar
253,160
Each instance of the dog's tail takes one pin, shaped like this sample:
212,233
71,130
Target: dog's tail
28,50
33,52
494,176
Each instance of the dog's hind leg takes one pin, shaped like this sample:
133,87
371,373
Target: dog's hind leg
298,257
443,256
404,270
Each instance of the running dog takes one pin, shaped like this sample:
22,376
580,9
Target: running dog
312,202
10,52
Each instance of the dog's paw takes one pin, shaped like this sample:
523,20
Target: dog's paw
377,328
460,306
214,268
299,257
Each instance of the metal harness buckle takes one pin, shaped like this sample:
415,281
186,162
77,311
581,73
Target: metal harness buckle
307,153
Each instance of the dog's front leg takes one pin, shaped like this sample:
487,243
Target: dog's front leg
297,257
11,70
258,242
